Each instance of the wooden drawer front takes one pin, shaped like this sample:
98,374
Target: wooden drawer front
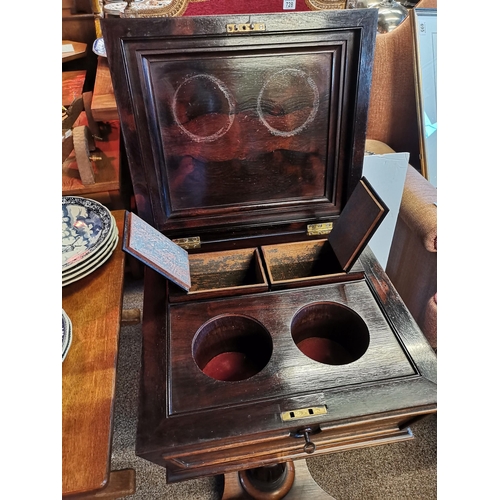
229,458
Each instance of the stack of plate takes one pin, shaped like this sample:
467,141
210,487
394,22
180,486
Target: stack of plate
116,7
67,333
89,236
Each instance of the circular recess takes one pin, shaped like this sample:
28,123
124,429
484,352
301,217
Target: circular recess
288,102
203,108
232,348
330,333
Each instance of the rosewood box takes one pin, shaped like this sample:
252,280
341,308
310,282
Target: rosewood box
245,141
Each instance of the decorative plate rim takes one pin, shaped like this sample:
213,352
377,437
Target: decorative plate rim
107,222
92,259
67,331
99,47
90,271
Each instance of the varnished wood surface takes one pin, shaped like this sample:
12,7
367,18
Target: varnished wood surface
103,99
192,172
399,315
79,50
121,483
275,110
249,433
72,85
304,486
94,306
288,368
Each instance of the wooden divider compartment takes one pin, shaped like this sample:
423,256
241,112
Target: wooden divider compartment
305,263
219,274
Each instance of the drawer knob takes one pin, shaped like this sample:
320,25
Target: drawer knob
309,447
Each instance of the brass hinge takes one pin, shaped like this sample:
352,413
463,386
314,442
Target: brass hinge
188,243
303,413
245,27
318,229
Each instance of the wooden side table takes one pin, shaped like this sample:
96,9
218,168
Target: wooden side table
74,50
94,305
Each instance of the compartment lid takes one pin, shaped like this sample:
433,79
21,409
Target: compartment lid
362,215
156,250
235,125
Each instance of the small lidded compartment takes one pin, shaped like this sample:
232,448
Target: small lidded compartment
194,276
330,333
304,263
232,347
333,259
216,274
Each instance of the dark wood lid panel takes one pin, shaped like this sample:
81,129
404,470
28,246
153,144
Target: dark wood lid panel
225,132
228,144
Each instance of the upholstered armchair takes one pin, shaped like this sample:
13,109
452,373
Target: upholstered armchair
393,126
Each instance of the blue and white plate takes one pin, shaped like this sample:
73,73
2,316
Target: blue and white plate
99,48
86,227
67,334
97,262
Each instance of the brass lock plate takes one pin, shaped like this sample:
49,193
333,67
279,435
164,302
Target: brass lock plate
319,229
303,413
188,243
245,27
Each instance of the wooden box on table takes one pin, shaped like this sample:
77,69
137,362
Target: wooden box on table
245,139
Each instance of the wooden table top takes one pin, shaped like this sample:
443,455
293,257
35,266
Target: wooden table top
94,305
72,85
103,99
79,50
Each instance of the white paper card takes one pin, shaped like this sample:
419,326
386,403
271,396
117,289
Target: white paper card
67,47
288,4
387,174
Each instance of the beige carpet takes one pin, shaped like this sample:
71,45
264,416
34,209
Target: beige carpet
397,471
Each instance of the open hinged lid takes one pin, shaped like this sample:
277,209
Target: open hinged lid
238,125
361,217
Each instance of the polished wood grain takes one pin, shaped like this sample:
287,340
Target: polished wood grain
288,367
72,85
121,483
94,306
221,274
221,147
79,51
304,486
103,99
275,110
236,424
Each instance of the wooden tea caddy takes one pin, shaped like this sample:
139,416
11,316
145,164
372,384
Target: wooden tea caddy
245,140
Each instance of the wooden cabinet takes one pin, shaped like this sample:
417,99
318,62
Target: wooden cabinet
250,143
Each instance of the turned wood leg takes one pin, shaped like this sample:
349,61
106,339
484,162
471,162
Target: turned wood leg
270,482
290,480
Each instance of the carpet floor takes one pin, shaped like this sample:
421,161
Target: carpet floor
398,471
